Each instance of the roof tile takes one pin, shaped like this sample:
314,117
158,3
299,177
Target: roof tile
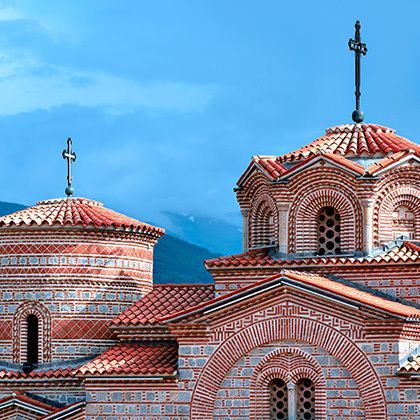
163,300
354,140
262,257
76,211
134,359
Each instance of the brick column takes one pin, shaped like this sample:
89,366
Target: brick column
291,401
283,210
245,229
367,205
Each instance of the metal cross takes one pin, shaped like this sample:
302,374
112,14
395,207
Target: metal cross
360,49
70,156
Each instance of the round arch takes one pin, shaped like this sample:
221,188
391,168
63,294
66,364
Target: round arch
303,223
263,222
288,329
386,202
290,365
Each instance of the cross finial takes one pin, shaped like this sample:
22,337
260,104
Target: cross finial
70,156
360,49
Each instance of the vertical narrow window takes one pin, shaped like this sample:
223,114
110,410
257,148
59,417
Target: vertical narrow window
305,400
32,339
329,230
278,399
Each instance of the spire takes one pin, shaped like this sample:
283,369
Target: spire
360,49
70,156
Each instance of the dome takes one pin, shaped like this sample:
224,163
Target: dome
74,265
354,140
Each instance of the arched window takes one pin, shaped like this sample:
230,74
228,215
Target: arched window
32,339
31,334
305,400
278,399
403,223
329,230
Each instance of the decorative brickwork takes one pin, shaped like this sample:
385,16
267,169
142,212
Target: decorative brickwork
304,235
290,366
290,329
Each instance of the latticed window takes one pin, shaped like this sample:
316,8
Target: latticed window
305,400
329,230
403,223
295,401
278,399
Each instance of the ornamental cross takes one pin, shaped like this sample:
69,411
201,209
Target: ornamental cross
70,156
360,49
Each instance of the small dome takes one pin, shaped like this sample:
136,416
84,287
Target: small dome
76,212
354,140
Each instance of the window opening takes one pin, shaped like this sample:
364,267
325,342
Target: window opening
329,230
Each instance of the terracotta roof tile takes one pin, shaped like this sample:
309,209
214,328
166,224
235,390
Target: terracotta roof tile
412,365
354,140
317,281
271,166
163,300
149,359
76,212
408,251
65,371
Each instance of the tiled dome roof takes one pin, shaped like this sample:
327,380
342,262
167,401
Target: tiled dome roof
76,212
354,140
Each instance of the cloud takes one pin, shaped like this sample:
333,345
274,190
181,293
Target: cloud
27,85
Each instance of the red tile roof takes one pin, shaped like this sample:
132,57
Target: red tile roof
270,165
163,300
312,280
412,365
20,397
407,252
354,140
37,374
337,159
76,212
148,359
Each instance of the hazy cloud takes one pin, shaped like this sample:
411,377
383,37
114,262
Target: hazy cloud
27,85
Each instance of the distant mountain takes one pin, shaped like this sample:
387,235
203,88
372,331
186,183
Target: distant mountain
216,235
7,208
175,261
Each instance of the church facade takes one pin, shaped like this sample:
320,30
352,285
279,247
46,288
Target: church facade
318,318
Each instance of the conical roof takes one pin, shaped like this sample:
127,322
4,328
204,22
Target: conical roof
76,212
354,140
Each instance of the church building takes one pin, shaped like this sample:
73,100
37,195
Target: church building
317,318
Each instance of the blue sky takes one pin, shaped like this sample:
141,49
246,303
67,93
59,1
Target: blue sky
167,100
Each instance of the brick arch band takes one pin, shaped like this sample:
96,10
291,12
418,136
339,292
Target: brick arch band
20,331
260,229
288,329
290,365
303,221
387,201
